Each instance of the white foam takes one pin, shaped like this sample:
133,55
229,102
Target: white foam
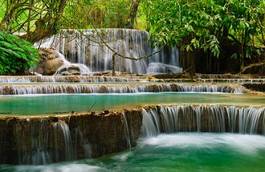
248,144
61,168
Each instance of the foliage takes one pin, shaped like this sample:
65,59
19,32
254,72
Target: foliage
76,14
47,17
36,18
206,24
17,55
103,14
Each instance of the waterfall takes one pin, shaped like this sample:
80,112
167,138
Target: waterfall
44,144
69,88
203,118
37,150
88,47
67,66
68,146
126,131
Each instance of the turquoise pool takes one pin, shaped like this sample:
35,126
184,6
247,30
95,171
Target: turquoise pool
59,103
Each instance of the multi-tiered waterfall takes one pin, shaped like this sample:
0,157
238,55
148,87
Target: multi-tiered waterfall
95,49
46,139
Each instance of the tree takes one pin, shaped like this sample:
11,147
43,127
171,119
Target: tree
133,13
37,18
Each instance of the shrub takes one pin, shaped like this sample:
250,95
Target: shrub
16,55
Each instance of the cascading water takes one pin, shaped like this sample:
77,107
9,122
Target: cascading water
95,49
64,128
116,88
126,131
204,118
43,139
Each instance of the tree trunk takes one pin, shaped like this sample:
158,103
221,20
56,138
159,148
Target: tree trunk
133,13
47,25
113,64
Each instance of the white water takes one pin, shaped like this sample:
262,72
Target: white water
87,48
83,69
61,168
126,131
68,146
248,144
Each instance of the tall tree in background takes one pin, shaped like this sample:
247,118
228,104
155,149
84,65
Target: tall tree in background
133,13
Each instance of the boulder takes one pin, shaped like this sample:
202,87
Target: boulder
50,61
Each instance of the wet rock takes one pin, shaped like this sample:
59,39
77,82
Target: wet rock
50,61
103,89
7,90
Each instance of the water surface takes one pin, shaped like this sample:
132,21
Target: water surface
59,103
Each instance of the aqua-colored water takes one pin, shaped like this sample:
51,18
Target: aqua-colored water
45,104
183,152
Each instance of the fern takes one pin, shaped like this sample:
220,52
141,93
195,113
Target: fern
16,55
